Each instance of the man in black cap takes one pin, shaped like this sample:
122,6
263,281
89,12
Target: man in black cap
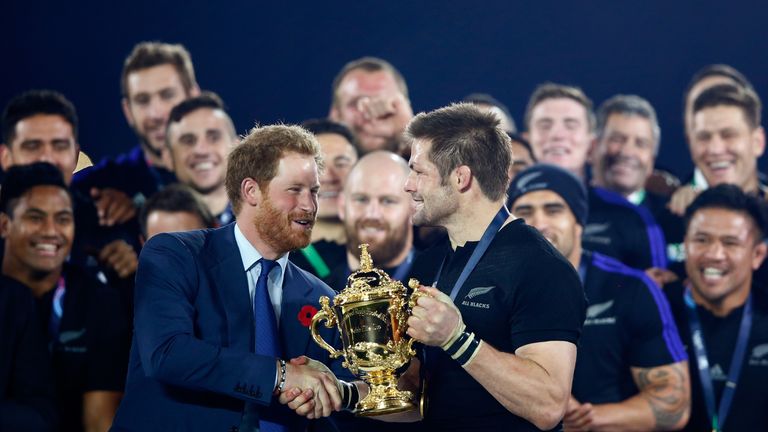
631,372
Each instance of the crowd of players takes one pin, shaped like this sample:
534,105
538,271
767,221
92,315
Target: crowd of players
676,329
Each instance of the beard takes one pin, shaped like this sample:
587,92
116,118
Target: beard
383,251
276,228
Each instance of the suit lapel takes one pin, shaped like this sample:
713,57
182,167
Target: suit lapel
297,294
228,278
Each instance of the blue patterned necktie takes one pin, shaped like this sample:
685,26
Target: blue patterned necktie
267,338
267,342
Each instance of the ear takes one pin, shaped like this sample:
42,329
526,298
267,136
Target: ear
6,158
462,178
592,149
5,225
341,202
758,142
250,192
758,255
333,113
167,159
127,111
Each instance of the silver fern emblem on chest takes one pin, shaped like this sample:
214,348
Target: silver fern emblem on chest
478,291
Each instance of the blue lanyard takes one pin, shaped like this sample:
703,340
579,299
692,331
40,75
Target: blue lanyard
57,310
485,241
718,417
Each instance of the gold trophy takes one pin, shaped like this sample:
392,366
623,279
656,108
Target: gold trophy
371,314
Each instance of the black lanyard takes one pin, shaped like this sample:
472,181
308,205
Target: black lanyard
718,417
485,241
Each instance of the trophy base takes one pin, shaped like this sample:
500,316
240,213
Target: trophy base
384,397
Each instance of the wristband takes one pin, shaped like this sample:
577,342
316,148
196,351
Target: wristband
281,385
350,396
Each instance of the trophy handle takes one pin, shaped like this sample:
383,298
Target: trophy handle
416,294
325,314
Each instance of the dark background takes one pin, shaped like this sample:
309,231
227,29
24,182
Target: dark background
275,62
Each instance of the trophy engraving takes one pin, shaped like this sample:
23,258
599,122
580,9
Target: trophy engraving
371,314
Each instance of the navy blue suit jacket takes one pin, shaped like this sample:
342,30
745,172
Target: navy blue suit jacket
192,364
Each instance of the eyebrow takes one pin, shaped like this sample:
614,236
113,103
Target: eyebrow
554,206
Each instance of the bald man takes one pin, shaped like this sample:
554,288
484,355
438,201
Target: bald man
376,210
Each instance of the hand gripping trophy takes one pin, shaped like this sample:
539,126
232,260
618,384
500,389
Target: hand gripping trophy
371,313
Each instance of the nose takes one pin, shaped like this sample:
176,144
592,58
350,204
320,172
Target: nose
49,227
410,183
537,221
308,201
46,154
716,145
715,251
373,209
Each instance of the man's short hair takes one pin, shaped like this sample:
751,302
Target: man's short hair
462,134
368,64
719,70
486,99
32,103
150,54
19,179
628,105
206,99
515,137
732,197
731,95
176,198
324,126
559,91
258,155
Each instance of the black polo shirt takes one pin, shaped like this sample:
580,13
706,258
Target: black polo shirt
622,230
629,324
91,350
522,291
748,410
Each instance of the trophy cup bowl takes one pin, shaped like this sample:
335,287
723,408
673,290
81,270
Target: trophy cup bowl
371,314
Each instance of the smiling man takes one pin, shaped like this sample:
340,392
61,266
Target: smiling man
727,137
631,372
156,77
199,137
561,128
218,311
87,330
720,312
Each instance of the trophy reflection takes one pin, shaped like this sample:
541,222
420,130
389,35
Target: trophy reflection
371,313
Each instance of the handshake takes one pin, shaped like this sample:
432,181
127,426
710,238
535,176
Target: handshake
311,390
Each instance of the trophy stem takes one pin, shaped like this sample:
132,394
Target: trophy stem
384,397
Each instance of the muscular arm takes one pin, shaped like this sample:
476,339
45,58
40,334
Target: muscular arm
534,383
99,408
663,403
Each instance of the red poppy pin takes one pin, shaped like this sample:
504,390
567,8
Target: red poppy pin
306,314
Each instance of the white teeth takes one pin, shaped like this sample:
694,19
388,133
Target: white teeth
203,166
719,165
711,272
559,151
47,247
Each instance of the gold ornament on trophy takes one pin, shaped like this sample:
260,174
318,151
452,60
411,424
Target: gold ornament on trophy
371,313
